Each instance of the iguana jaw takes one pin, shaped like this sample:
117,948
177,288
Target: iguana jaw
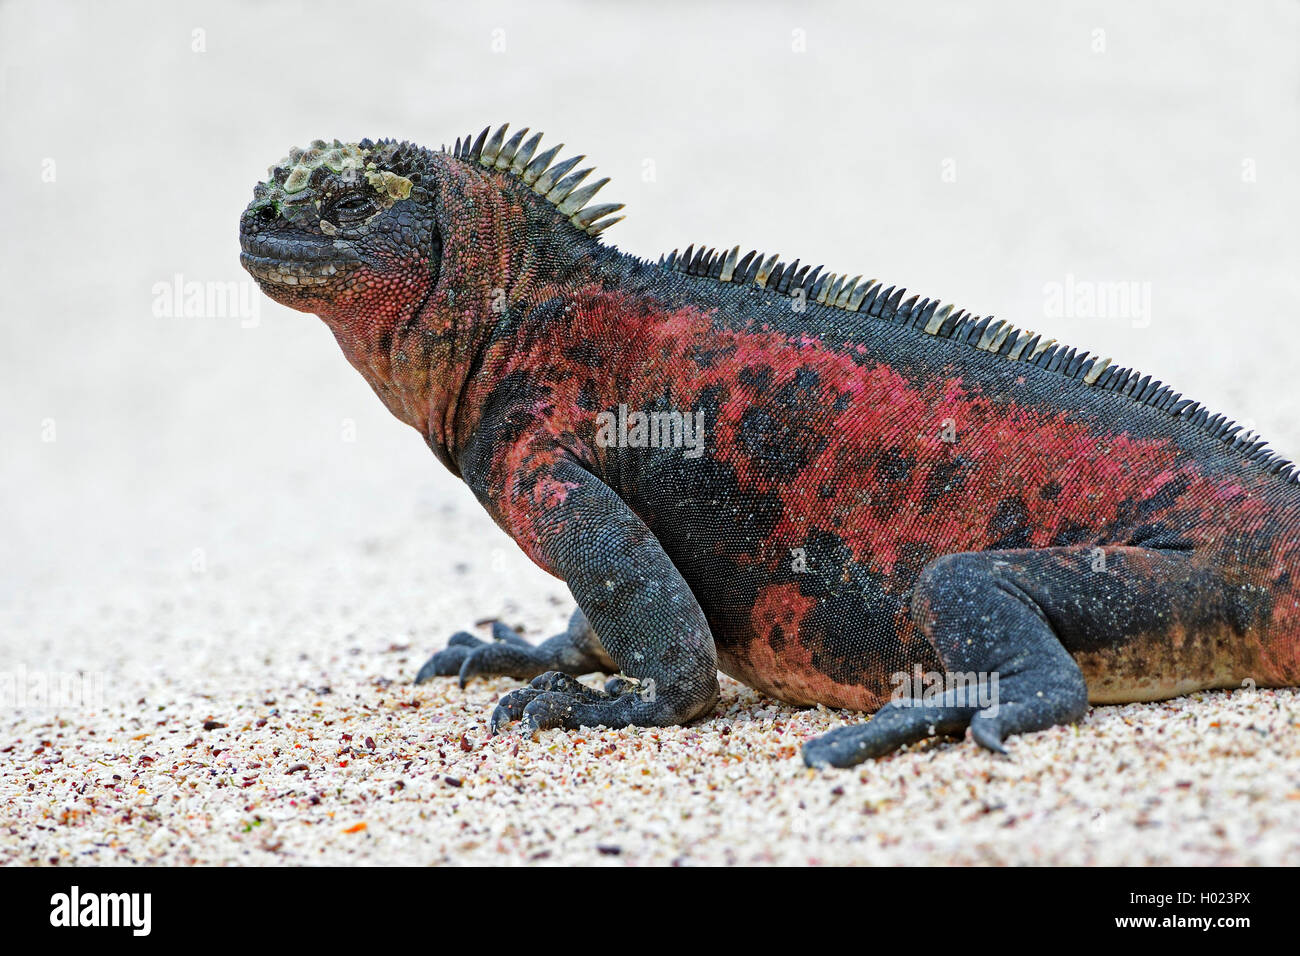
285,265
304,271
298,272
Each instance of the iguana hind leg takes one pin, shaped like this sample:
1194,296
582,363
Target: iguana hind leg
1034,631
575,651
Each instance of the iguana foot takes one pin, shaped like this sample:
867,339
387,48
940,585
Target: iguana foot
576,651
893,725
448,661
1046,695
558,700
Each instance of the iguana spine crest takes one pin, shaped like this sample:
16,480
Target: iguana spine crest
991,335
552,181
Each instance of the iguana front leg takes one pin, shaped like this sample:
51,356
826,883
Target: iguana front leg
631,594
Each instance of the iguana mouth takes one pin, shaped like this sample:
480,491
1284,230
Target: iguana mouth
293,262
287,272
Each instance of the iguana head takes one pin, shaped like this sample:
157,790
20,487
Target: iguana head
412,256
337,225
347,228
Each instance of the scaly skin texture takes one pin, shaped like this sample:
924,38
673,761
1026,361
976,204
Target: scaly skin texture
880,488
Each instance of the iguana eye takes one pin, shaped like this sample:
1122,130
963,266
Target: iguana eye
351,207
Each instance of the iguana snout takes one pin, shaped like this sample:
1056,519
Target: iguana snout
337,221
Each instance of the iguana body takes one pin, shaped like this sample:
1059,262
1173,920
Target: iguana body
880,488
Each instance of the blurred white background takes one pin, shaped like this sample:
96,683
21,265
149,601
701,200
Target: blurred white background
179,481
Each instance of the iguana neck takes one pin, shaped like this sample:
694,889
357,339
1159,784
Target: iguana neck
422,359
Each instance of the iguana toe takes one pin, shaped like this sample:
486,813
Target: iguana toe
511,707
988,732
448,661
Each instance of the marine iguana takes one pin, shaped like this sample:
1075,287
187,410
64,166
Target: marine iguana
817,484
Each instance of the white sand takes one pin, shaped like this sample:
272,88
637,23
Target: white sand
381,772
216,520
